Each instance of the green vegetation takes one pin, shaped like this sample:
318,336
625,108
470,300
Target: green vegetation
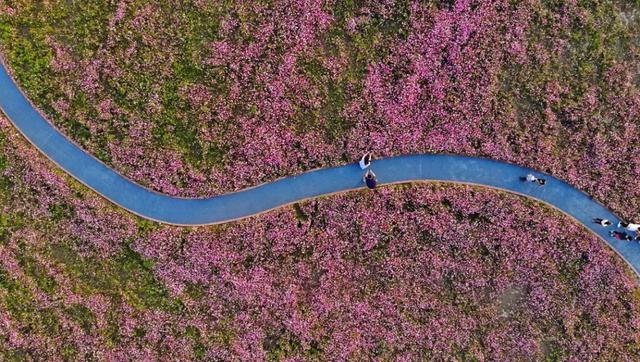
367,44
17,300
3,159
81,29
126,278
147,83
594,45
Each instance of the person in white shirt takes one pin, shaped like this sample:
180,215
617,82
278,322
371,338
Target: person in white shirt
365,161
532,178
629,226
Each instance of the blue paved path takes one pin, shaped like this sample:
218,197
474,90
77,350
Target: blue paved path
219,209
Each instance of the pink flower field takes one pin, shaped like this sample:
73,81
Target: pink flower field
192,106
199,98
407,273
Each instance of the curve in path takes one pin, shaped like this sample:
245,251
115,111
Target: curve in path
237,205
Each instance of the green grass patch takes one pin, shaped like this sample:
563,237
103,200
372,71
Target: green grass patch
61,211
3,158
127,278
18,301
36,271
83,316
281,345
366,45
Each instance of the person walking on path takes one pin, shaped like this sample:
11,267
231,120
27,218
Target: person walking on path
532,178
370,179
620,235
365,161
629,226
603,222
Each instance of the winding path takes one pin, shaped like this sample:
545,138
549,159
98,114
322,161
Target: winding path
179,211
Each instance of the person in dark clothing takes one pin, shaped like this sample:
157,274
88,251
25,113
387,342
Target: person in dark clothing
603,222
620,235
370,179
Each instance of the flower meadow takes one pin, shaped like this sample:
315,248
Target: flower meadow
201,98
414,272
198,98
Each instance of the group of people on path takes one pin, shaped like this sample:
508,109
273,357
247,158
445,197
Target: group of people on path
369,178
371,181
621,235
